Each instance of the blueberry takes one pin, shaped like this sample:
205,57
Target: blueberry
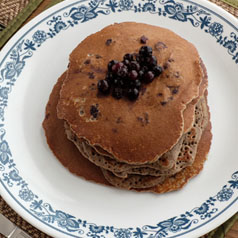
140,74
115,81
157,70
135,84
133,75
148,77
122,83
126,78
122,71
144,69
134,66
133,93
109,77
151,61
111,63
126,62
128,57
117,93
141,60
119,83
145,51
103,86
136,57
116,67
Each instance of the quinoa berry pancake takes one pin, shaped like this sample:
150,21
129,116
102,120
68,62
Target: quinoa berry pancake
131,109
71,158
148,114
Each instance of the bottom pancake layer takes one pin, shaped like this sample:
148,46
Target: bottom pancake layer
68,154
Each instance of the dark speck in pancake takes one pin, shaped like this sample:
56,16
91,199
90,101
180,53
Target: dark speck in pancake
91,75
94,111
98,56
87,61
119,120
108,42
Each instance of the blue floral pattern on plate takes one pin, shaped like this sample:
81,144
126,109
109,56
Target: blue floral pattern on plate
12,66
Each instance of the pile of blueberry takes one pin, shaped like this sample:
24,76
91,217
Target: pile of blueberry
125,78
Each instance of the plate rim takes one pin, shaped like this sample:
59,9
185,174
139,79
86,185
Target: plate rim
52,11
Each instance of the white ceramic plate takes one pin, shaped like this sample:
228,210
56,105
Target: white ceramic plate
43,192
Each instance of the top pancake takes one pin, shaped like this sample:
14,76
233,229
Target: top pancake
133,132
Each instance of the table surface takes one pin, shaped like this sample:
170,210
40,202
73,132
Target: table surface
233,232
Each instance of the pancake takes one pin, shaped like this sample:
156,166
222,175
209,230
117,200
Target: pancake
155,143
113,130
166,164
72,159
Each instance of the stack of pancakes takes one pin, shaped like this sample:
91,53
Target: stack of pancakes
155,143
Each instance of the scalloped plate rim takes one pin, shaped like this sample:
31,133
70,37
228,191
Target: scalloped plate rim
43,16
